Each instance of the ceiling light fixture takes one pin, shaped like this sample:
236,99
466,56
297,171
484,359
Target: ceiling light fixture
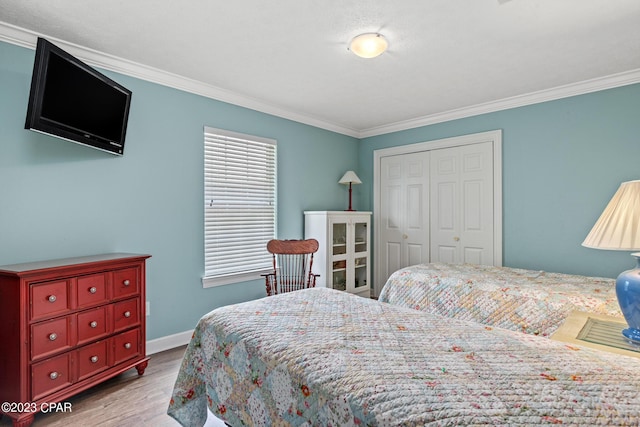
368,45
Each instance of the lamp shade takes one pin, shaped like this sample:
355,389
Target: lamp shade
618,228
350,177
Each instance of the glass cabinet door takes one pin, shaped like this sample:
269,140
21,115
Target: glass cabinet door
360,273
339,238
339,275
360,250
360,240
339,253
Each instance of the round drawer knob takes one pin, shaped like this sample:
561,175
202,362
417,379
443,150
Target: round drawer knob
93,324
127,314
53,375
93,290
52,298
127,345
94,359
53,336
126,282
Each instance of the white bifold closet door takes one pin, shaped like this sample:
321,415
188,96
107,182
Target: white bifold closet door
436,206
404,205
461,185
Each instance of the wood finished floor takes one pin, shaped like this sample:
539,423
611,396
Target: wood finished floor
126,400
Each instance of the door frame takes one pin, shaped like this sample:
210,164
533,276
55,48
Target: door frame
495,137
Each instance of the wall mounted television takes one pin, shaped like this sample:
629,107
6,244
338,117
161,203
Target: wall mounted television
71,100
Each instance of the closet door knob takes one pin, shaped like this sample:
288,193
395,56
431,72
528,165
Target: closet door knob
404,236
456,239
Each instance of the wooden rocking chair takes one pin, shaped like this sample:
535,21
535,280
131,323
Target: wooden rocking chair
292,264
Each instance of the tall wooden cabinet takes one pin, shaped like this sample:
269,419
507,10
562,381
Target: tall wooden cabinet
66,325
343,259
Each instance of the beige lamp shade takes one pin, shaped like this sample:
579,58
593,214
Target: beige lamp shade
618,228
350,177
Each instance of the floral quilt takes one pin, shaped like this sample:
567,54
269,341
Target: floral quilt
535,302
321,357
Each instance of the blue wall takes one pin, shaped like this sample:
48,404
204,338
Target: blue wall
562,162
59,199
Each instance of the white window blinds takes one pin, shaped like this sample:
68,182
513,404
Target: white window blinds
239,205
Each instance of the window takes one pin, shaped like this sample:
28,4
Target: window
239,206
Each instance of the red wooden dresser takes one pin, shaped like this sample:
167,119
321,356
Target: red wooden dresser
66,325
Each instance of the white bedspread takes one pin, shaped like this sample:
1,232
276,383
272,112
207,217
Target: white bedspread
535,302
320,357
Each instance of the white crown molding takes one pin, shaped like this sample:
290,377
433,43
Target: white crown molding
573,89
26,38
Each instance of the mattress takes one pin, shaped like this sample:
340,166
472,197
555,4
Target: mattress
535,302
321,357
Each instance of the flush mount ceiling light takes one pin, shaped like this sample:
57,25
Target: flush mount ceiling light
368,45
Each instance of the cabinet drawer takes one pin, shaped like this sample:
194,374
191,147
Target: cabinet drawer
50,375
125,282
49,298
126,314
92,324
91,290
50,337
126,345
92,359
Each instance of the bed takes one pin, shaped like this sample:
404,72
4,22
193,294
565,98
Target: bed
321,357
535,302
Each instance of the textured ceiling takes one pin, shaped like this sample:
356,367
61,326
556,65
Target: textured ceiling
291,57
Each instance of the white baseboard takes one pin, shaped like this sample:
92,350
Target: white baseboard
170,341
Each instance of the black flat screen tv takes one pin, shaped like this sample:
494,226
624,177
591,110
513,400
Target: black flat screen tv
71,100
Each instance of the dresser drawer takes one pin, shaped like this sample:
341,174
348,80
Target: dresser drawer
49,299
92,324
50,375
125,282
92,359
126,314
91,290
51,336
127,345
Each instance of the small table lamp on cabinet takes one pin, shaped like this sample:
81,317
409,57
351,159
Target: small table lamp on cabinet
350,177
618,228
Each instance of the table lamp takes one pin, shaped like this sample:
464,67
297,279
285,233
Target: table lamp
350,177
618,228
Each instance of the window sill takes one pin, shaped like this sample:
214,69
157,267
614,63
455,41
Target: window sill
213,281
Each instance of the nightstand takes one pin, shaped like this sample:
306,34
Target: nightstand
596,331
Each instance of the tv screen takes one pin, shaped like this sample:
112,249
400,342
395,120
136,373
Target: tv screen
71,100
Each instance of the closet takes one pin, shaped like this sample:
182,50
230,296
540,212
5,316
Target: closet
439,201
